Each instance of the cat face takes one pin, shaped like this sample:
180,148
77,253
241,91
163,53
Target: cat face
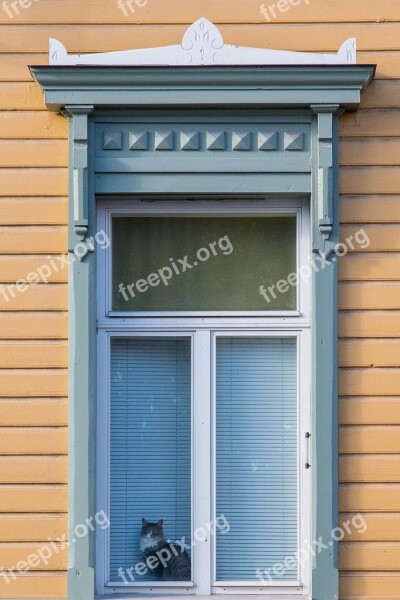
151,534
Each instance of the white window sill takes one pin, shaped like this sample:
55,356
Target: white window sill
141,596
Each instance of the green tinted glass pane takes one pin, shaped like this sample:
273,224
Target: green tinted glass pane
202,263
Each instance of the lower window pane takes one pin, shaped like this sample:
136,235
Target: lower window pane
256,468
150,472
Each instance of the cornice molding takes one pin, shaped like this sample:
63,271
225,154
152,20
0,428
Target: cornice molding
281,86
202,45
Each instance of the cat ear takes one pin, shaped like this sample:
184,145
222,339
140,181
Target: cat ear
160,522
144,522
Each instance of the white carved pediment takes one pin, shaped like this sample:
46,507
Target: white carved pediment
202,45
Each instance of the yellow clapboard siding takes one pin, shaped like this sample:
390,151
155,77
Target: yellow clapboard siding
33,210
369,439
35,585
367,295
361,410
41,182
369,382
33,412
15,67
382,94
369,556
38,297
33,440
33,326
34,355
21,96
370,527
11,554
319,37
388,65
370,209
13,268
382,237
369,497
30,382
367,353
369,468
33,153
369,586
32,527
373,123
373,143
370,180
369,324
179,11
369,151
32,125
33,469
33,240
33,498
369,267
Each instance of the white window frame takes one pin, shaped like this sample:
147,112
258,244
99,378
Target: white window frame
204,331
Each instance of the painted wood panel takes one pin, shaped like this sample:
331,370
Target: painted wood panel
33,210
369,324
370,151
319,37
361,410
32,239
33,440
369,497
25,326
34,355
370,267
370,439
369,296
369,381
372,528
370,468
39,585
39,182
33,382
370,209
14,268
370,180
371,556
369,353
33,412
26,125
33,153
374,586
33,498
33,469
20,96
12,553
180,11
32,527
38,297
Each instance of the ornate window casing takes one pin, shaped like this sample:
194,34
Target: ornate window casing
152,122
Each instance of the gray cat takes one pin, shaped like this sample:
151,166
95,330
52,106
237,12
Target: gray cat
166,560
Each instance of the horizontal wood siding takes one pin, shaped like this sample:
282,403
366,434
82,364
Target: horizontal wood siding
33,217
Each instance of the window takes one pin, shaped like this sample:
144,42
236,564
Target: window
203,396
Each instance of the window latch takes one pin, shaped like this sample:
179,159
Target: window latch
308,464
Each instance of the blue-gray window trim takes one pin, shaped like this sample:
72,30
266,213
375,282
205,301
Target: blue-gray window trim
82,94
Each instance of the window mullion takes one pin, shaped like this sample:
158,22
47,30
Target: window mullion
202,461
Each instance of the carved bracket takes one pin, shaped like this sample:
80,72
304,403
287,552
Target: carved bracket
79,221
324,209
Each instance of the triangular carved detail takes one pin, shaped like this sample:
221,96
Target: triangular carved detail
202,45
